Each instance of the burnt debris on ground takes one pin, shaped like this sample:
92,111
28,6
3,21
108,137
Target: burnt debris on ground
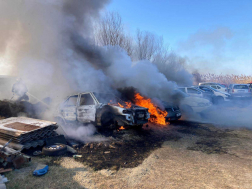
210,138
127,149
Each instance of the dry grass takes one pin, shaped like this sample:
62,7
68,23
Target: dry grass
171,166
226,79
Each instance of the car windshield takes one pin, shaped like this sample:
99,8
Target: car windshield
207,88
107,98
241,87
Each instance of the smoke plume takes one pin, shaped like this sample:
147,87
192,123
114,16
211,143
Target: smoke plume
51,46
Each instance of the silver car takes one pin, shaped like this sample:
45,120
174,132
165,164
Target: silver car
239,91
217,86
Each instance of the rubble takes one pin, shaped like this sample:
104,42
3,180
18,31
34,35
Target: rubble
11,158
26,132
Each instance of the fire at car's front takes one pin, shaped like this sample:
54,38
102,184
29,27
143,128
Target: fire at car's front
144,111
135,115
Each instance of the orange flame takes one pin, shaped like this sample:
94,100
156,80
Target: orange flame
157,115
120,105
121,128
128,104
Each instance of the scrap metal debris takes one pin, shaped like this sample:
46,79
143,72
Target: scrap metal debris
11,158
26,132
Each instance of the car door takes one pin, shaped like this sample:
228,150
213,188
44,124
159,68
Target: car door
86,109
68,110
208,92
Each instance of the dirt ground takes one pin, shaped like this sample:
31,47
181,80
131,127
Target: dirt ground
181,155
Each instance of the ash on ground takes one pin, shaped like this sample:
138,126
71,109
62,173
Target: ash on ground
125,149
129,148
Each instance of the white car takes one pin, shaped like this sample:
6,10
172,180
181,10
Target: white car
191,91
195,104
102,109
240,91
216,86
218,96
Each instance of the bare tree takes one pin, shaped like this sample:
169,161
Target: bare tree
148,45
110,31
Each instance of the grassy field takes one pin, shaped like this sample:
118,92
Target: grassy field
203,156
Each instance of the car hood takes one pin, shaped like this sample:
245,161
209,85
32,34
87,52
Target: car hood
133,107
195,99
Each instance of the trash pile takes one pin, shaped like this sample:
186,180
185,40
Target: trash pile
11,158
26,132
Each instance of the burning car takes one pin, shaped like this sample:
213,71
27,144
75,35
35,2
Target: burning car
174,112
102,109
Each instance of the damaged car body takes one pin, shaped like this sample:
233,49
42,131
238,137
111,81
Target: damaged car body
102,109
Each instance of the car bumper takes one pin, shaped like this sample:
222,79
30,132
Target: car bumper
173,116
124,122
241,96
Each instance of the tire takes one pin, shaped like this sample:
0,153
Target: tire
107,120
54,150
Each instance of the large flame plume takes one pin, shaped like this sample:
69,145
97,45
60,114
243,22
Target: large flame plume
157,115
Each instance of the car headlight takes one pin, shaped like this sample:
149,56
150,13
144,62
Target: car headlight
147,115
129,117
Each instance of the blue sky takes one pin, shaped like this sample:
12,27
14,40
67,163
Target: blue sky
214,35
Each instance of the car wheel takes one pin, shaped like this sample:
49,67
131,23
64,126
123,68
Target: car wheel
54,150
107,120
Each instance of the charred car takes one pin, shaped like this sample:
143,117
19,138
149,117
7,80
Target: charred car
174,112
101,109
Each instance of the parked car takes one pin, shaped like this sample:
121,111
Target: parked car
102,109
207,93
250,86
191,91
195,104
174,112
218,96
216,86
240,91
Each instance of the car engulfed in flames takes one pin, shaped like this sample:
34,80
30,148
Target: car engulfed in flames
107,110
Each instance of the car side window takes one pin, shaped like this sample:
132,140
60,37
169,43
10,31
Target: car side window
206,89
194,91
218,87
86,99
71,101
213,86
